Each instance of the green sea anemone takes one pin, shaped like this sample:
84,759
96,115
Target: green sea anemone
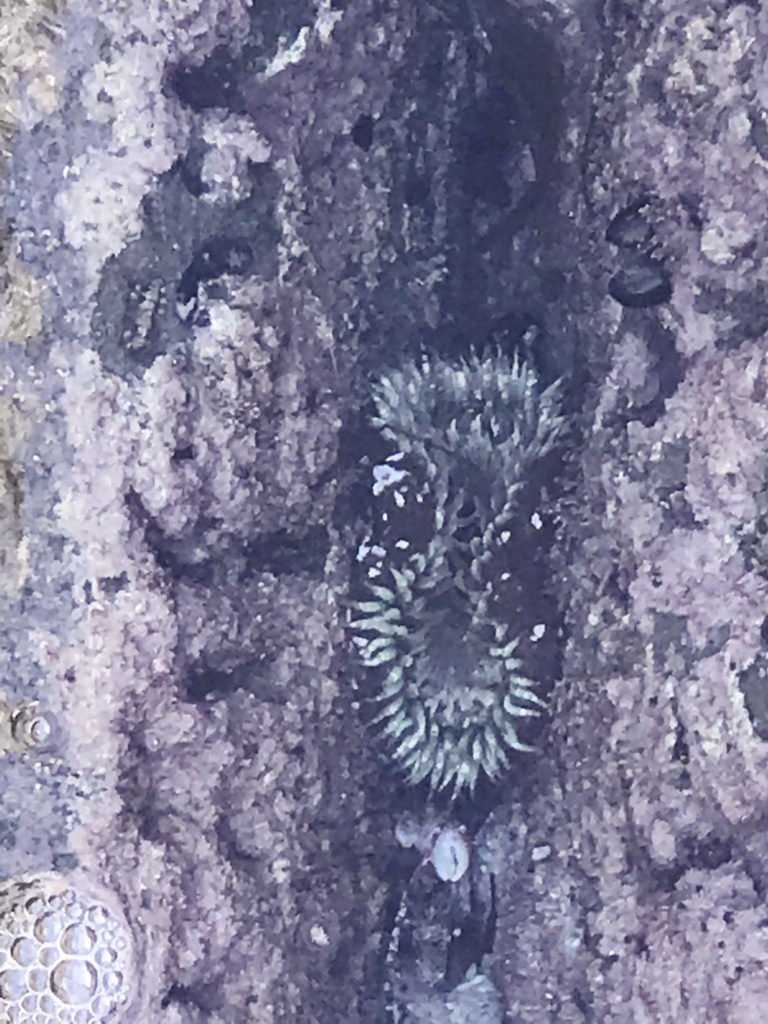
433,623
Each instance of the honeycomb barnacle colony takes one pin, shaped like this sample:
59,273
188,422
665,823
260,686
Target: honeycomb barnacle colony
66,955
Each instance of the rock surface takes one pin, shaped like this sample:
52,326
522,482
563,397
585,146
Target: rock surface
220,222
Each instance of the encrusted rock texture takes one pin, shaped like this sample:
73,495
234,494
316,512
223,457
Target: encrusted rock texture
220,221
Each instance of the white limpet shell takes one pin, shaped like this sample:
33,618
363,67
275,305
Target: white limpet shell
445,848
450,855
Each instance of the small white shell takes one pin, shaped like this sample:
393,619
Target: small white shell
30,727
413,833
450,855
407,833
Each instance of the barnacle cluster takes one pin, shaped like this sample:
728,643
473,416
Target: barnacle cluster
434,621
66,955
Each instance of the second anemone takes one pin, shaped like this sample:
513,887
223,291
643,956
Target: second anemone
434,621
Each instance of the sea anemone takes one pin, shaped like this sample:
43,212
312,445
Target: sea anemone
434,622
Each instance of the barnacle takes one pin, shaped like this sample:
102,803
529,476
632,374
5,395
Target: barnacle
23,727
66,955
30,727
433,623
